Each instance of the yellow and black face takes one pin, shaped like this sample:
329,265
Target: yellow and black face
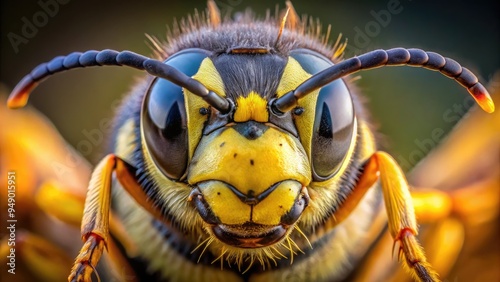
248,171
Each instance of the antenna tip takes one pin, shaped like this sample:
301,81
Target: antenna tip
488,106
482,97
18,98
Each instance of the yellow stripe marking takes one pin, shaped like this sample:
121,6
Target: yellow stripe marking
252,107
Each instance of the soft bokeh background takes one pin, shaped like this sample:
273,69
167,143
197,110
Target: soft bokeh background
407,103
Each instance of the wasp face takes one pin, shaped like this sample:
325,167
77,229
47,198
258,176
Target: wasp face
250,181
249,170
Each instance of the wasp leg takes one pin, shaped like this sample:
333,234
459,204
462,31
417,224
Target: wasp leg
431,205
120,266
72,213
52,192
443,236
399,207
95,222
47,261
401,217
478,203
443,241
96,216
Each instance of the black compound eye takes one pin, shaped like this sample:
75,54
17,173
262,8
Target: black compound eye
165,119
334,121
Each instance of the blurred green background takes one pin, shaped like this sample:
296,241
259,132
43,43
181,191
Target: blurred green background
407,103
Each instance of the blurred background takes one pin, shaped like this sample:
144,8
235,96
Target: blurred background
410,105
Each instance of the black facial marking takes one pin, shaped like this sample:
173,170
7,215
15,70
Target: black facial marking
251,129
244,73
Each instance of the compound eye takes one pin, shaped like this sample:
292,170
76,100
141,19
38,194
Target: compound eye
333,125
164,117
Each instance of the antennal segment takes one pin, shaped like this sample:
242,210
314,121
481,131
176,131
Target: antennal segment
392,57
19,96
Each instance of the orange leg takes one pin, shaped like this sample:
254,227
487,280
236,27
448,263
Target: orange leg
402,222
431,205
96,216
446,215
95,222
72,213
399,208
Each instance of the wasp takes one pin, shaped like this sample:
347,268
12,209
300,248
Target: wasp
245,154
